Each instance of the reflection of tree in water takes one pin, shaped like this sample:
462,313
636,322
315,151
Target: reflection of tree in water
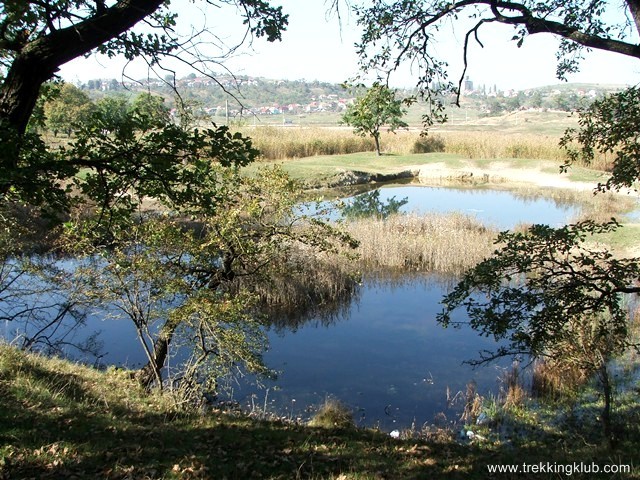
368,204
44,312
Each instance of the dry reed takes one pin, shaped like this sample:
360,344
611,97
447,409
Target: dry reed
278,143
555,380
311,285
512,392
446,244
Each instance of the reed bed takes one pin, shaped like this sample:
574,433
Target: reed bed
445,244
598,208
280,143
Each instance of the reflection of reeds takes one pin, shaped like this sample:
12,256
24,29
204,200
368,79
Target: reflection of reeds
445,244
314,286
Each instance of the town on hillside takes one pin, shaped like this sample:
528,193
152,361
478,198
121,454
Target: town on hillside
235,97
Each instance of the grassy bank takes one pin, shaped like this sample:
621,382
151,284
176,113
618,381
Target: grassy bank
60,420
283,143
433,167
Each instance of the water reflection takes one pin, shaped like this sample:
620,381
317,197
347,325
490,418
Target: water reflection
502,209
389,361
378,349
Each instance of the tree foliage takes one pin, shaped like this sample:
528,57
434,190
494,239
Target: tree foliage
36,38
544,283
67,109
152,108
402,31
148,220
373,110
194,282
552,293
609,126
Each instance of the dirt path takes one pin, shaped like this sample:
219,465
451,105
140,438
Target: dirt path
502,172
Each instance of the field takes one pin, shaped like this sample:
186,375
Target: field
520,135
515,151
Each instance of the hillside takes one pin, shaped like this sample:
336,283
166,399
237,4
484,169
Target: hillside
245,98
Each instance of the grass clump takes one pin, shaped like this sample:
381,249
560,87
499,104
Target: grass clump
333,414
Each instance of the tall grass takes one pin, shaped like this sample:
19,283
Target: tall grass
445,244
555,380
278,143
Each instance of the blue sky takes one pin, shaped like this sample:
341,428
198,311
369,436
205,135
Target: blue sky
316,47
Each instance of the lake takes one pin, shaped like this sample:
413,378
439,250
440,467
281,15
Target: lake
385,357
502,209
388,359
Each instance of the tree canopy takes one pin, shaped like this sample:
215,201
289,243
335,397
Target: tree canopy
372,110
402,31
36,38
144,219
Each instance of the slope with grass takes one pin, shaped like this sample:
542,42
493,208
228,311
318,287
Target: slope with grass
60,420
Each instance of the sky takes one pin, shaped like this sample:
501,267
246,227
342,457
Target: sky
316,46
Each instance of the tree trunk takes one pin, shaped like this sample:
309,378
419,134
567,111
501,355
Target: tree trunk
376,138
634,9
152,371
605,416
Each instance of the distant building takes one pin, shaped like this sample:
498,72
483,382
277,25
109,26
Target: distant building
468,85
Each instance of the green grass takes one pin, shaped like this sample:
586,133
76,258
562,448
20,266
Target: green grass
320,168
315,169
60,420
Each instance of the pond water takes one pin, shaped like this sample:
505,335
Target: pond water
388,360
499,208
386,357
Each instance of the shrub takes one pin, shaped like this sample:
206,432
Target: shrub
429,144
333,414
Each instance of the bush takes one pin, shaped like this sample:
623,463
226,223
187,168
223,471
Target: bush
428,144
333,414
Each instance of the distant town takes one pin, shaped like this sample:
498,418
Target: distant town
245,96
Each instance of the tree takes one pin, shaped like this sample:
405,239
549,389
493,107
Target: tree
550,295
152,107
610,126
70,107
36,38
397,32
374,109
196,285
195,268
